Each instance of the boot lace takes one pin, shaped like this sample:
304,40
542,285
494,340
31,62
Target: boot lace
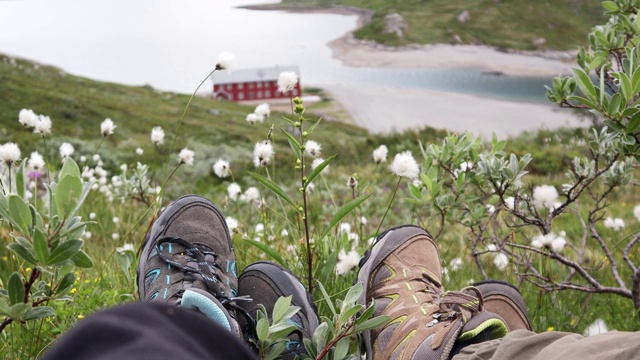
453,304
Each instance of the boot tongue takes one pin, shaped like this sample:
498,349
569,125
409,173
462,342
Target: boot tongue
483,326
207,304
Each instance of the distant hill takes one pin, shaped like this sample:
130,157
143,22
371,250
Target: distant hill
214,129
515,24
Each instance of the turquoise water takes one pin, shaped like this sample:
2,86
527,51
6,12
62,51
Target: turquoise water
173,44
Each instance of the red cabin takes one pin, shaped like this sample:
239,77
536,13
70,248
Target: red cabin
252,84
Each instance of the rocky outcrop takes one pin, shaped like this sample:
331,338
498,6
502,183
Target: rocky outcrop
395,24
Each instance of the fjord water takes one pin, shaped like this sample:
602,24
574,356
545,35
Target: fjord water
172,44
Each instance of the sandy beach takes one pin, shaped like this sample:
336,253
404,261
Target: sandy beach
386,108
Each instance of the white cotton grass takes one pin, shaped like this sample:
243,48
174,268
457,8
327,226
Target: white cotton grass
550,240
404,165
186,156
510,202
352,182
380,154
157,136
262,153
597,327
545,196
225,61
636,212
107,127
36,161
221,169
233,190
263,110
9,153
232,224
251,194
66,150
501,260
139,151
253,118
125,247
616,224
42,127
347,261
455,264
312,148
287,81
27,118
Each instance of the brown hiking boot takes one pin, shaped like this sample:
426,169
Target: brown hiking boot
505,300
402,273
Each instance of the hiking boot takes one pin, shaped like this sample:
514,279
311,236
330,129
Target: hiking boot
187,259
265,282
402,274
505,300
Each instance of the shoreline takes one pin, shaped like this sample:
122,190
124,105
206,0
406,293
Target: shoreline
363,53
389,109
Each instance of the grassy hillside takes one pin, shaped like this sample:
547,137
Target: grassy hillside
513,24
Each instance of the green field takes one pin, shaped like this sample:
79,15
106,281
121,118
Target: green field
512,24
216,129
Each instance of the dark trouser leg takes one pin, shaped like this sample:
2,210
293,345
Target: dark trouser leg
148,330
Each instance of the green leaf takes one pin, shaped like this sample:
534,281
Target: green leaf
268,250
64,251
24,253
124,259
281,306
584,101
4,308
633,124
610,5
374,323
346,209
320,335
276,350
614,105
273,187
625,86
262,329
65,284
19,310
281,330
40,247
427,181
20,213
69,168
349,312
368,312
67,196
82,260
584,83
20,188
327,298
15,289
319,169
39,312
341,348
295,144
313,127
352,296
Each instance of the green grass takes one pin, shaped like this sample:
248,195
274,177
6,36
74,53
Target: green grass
218,129
513,24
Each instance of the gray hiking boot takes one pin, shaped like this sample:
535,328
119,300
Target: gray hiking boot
187,259
402,274
505,300
265,282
